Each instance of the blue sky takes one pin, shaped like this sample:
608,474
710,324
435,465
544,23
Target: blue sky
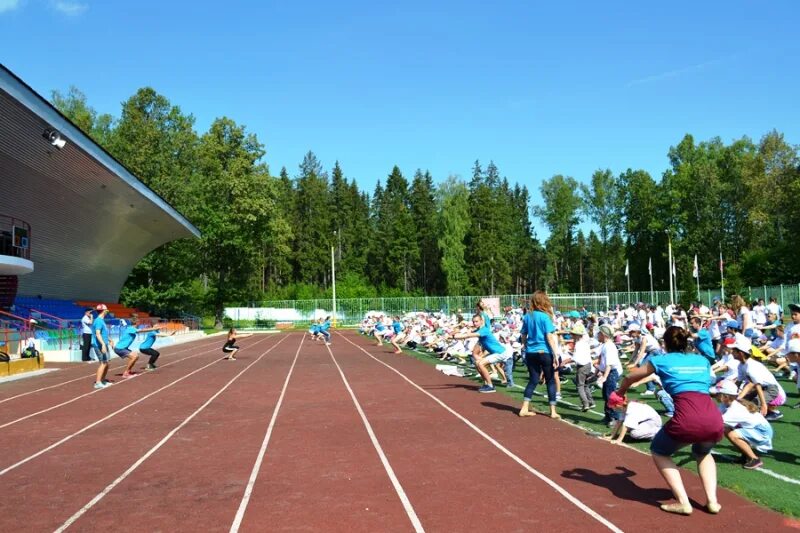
540,88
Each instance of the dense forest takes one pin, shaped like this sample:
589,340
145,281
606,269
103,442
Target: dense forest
269,235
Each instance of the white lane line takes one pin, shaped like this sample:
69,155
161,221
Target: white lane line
763,470
86,376
163,441
118,411
93,391
558,488
401,493
248,491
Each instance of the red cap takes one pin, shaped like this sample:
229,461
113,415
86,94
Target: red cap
615,400
101,307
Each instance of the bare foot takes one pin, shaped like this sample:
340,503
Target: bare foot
555,416
677,508
714,508
527,413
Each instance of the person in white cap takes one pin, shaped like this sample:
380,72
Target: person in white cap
582,357
745,427
761,383
646,347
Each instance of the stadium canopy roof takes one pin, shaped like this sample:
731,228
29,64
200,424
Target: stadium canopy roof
91,219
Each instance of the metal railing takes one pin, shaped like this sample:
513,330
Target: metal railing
15,237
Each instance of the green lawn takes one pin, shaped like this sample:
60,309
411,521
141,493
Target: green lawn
756,485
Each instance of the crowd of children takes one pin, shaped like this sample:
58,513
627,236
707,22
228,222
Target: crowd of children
739,342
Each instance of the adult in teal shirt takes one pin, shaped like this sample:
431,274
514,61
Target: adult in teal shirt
487,342
541,351
101,345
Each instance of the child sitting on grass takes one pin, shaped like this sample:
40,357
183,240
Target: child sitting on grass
745,427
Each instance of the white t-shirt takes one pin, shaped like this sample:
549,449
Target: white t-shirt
791,331
609,357
758,374
642,421
732,364
737,416
774,308
582,354
744,319
86,324
760,315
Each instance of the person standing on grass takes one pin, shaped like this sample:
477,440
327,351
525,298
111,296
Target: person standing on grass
582,357
86,335
540,343
497,353
609,367
101,345
697,420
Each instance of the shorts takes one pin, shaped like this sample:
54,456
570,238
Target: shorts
229,349
665,445
758,437
493,358
102,357
122,352
774,395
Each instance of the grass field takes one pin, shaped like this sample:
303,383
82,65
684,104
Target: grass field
775,486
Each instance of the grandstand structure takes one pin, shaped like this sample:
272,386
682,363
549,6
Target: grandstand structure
73,220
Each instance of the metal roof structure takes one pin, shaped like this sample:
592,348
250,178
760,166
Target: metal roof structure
91,220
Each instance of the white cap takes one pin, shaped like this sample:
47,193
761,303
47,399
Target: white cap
742,343
727,387
633,327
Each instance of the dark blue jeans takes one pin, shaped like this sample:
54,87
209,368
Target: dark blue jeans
537,363
609,386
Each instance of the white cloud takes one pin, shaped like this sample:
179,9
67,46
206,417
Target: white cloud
8,5
678,72
68,7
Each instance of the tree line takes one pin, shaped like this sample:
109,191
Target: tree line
269,236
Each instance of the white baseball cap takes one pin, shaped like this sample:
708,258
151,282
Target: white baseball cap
727,387
742,343
633,327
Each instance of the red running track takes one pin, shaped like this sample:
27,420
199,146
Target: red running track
298,436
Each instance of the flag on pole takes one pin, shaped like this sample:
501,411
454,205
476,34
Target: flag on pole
695,270
627,270
650,266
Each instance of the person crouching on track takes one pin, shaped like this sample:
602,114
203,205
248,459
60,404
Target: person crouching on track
497,353
147,345
230,348
697,421
122,349
323,331
399,334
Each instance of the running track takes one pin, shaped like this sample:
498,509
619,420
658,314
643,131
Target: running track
299,436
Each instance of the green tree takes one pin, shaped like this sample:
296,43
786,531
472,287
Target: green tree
561,214
73,105
452,198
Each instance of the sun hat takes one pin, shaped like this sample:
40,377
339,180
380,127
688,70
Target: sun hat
606,330
102,307
742,343
578,329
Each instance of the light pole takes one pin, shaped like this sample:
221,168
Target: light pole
669,269
333,279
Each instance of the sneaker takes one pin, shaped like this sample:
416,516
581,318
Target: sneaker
669,415
107,383
558,397
752,464
151,367
649,393
100,385
774,415
127,375
487,389
510,385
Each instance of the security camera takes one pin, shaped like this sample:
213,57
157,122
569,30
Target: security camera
55,138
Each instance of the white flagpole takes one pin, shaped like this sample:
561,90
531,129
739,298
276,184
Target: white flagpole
697,275
669,267
628,275
650,270
721,273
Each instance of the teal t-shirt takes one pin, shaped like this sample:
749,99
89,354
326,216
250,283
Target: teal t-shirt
536,325
488,341
704,345
683,372
99,324
127,337
149,340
